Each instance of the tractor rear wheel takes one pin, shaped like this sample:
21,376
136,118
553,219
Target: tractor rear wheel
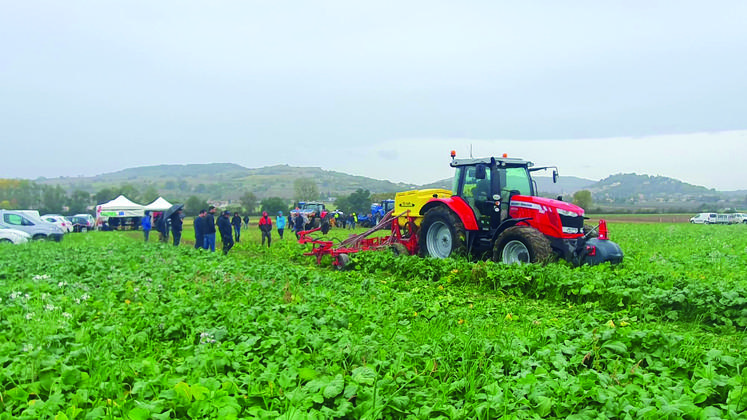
522,245
442,234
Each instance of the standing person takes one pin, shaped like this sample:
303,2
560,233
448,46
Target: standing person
246,221
280,222
176,226
200,230
224,226
160,223
146,223
298,224
209,242
236,222
265,225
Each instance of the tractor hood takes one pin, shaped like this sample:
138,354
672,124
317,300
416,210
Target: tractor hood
545,204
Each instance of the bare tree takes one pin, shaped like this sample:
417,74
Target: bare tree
306,189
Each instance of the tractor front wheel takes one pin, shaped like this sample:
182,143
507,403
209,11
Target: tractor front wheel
522,245
442,234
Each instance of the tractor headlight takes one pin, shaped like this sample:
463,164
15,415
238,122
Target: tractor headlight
568,213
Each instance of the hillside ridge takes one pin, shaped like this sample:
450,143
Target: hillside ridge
228,181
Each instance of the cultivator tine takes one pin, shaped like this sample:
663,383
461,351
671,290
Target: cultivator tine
354,240
359,242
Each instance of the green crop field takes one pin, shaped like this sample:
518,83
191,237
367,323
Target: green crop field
102,325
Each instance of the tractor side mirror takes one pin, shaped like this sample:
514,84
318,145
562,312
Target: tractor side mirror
555,176
480,172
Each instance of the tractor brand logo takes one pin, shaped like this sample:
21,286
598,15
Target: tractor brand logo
406,204
526,205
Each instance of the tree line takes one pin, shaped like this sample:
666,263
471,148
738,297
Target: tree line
27,194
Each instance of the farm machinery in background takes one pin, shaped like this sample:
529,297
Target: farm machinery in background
493,212
316,213
377,213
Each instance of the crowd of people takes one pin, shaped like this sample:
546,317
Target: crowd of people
206,227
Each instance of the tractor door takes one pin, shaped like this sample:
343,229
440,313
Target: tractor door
477,190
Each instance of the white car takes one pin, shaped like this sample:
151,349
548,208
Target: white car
704,218
59,221
8,235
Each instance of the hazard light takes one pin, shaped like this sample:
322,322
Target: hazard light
453,154
505,155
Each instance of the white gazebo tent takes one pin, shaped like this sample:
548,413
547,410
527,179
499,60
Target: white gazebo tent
119,207
160,204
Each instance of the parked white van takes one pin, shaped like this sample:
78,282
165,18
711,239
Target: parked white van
27,222
704,218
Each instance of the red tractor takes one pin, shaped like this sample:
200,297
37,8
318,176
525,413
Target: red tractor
494,210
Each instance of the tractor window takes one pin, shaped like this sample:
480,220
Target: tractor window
516,179
457,177
475,189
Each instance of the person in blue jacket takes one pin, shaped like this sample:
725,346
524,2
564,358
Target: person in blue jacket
280,221
147,224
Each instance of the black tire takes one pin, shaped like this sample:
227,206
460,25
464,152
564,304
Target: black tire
39,237
523,245
442,234
4,241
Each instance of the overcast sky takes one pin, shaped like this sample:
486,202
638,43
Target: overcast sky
380,88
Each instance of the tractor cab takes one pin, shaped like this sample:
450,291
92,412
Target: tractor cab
488,185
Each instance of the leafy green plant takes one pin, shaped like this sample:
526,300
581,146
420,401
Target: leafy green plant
104,326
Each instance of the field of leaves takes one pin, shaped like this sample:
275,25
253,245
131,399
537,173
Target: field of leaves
104,326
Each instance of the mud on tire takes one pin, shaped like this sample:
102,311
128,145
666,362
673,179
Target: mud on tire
523,245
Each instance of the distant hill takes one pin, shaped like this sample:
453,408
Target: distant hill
228,181
646,187
166,171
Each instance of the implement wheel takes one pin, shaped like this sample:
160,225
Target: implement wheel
441,234
398,249
342,261
521,245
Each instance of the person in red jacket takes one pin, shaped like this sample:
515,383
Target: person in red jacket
265,225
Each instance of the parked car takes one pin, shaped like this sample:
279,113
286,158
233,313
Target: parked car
27,222
15,236
59,221
83,222
740,217
704,218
